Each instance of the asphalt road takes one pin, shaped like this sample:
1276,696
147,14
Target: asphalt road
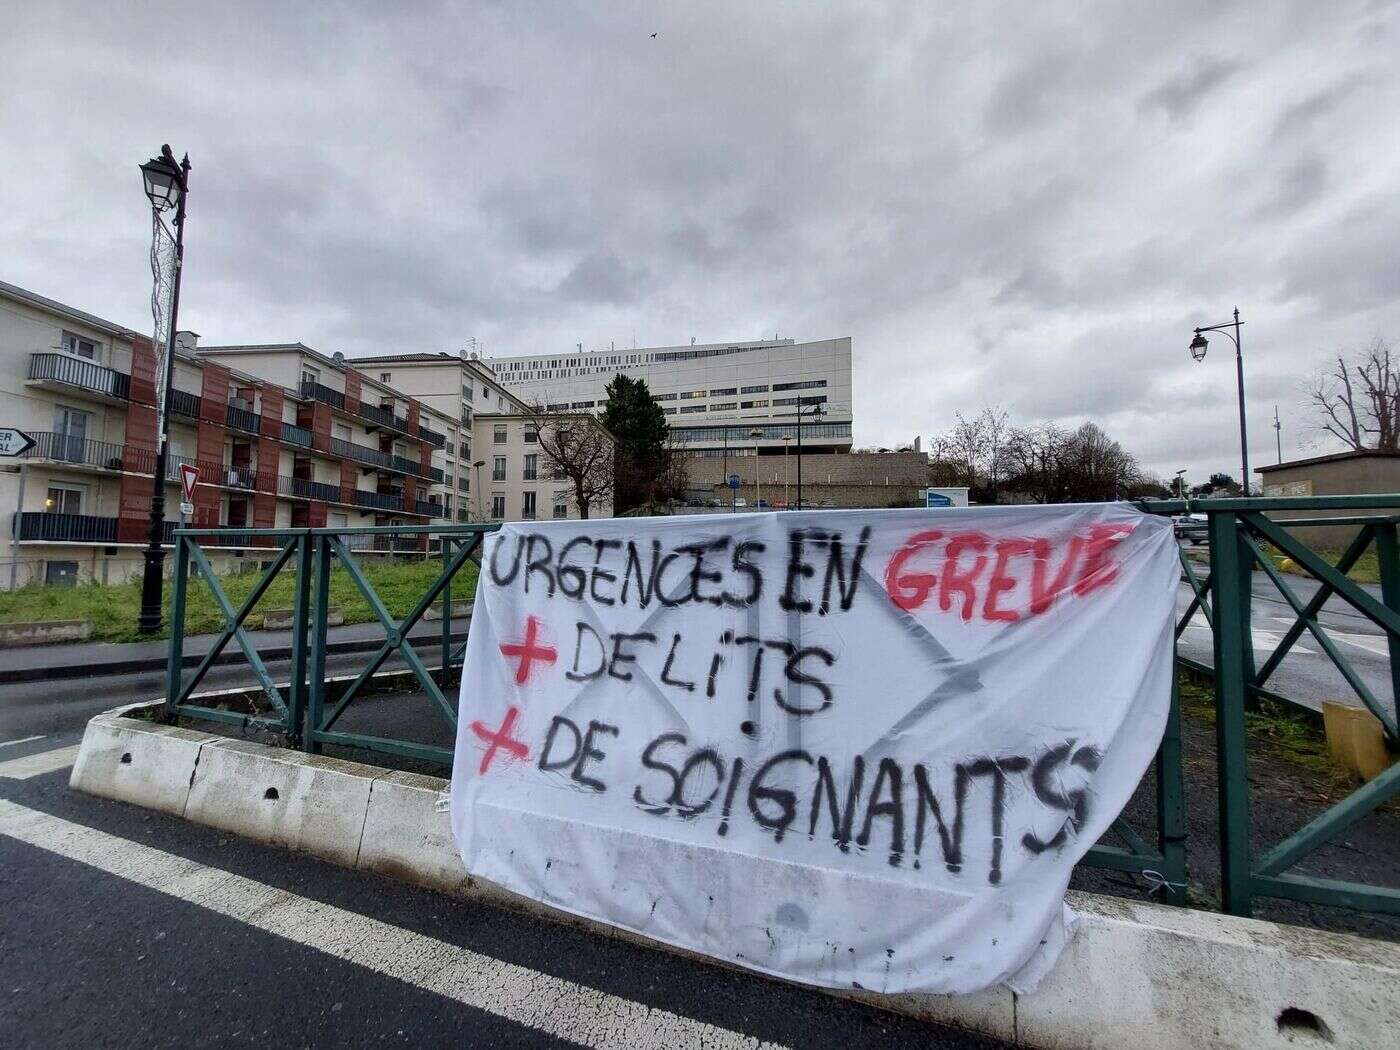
119,926
1306,673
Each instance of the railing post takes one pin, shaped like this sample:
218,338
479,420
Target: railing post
1171,798
320,608
301,610
1388,560
446,637
174,665
1231,686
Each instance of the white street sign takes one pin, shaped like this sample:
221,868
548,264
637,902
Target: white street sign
186,509
14,442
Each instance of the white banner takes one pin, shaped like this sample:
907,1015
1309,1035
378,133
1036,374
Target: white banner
850,748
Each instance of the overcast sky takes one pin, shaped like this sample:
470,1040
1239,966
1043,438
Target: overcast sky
1022,205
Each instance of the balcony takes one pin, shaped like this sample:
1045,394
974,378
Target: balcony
428,508
379,500
383,417
73,373
304,488
183,403
323,394
82,452
432,437
242,418
43,527
295,435
221,475
361,454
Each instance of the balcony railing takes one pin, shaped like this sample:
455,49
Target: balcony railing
83,375
222,475
65,448
383,417
361,453
183,403
66,528
304,488
243,419
295,435
379,500
428,507
432,437
324,394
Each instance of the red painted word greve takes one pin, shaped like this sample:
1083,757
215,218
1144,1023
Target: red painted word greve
498,738
1000,579
527,652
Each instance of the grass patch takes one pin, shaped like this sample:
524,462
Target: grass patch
113,609
1366,570
1280,729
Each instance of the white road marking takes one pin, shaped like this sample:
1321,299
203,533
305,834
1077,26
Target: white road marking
21,740
548,1004
1264,641
38,765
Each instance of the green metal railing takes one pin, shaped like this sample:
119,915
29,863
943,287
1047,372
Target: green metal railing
307,709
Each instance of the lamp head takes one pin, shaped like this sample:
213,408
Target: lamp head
1198,347
164,182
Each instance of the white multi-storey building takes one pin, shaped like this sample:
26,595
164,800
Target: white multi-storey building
715,395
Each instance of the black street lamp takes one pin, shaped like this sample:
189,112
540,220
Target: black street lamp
1198,353
477,466
167,186
816,417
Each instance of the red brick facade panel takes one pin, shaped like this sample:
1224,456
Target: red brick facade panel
415,411
213,396
316,515
264,516
352,391
425,457
139,451
143,371
271,425
269,458
134,508
319,424
348,472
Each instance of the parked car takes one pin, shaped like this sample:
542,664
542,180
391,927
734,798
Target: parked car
1193,528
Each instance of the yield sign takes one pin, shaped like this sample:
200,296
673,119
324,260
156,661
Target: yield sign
14,442
189,474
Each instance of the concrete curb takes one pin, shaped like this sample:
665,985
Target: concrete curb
231,655
1145,975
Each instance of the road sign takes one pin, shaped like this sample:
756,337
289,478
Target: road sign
186,509
734,481
189,474
936,499
14,442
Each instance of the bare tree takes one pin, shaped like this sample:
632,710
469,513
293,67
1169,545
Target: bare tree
579,450
973,452
1358,400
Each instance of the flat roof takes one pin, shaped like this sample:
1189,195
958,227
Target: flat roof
1334,457
24,295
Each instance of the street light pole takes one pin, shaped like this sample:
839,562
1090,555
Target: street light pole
787,471
756,433
1198,353
816,414
478,465
167,185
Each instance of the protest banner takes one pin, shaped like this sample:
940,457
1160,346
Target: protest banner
850,748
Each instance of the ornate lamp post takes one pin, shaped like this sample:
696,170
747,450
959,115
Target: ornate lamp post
478,465
1198,353
787,471
167,187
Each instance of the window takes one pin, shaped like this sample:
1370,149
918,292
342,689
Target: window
61,573
498,506
686,409
532,467
500,435
466,391
64,499
464,449
338,521
561,510
811,384
527,506
668,411
70,433
464,483
563,406
80,347
753,404
687,395
728,392
728,406
309,375
806,399
531,435
762,389
338,430
466,415
663,397
498,469
386,377
583,404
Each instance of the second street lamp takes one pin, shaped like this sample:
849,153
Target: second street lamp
167,186
1198,348
816,416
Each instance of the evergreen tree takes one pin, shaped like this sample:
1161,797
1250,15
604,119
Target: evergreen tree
645,470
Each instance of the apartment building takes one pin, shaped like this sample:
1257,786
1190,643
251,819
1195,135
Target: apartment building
714,395
517,480
282,436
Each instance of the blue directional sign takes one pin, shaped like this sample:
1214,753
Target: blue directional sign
734,481
936,499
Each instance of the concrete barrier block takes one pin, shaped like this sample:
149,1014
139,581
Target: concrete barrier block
138,762
1355,739
281,619
459,608
44,632
282,797
1159,978
408,837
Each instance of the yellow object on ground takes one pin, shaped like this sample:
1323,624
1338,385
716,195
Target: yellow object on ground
1355,739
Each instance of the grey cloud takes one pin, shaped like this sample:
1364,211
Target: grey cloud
1183,93
1300,115
603,277
1298,186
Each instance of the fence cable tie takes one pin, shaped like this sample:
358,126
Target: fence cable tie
1157,882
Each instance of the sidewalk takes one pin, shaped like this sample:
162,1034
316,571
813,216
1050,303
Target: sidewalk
94,659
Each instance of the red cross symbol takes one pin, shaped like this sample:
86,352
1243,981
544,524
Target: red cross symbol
500,738
528,652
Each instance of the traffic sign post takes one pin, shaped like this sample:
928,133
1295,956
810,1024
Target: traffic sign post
14,442
189,477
